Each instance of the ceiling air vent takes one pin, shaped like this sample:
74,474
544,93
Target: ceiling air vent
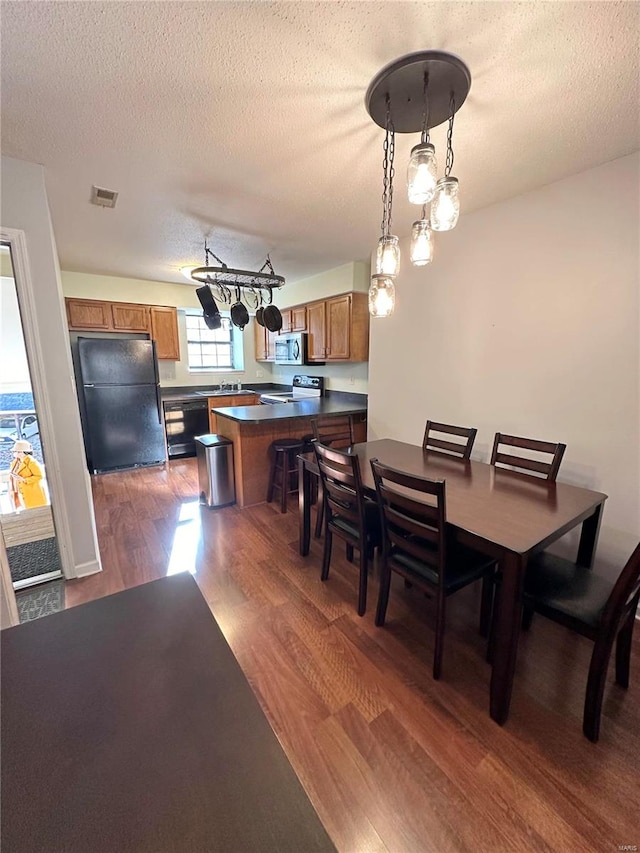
102,197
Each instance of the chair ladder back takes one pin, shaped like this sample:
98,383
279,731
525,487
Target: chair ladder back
334,431
341,484
547,468
462,449
624,594
409,524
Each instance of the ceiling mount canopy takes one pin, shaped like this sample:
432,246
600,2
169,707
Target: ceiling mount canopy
401,84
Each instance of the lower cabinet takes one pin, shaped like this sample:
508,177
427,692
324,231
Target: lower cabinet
224,401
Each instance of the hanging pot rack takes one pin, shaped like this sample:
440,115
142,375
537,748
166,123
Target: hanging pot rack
256,287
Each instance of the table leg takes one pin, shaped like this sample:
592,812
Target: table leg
589,537
304,507
509,616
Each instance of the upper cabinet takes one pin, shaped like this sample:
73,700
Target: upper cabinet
164,331
265,346
89,314
338,328
128,317
158,321
295,319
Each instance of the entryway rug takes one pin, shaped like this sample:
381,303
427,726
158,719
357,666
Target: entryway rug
40,601
33,559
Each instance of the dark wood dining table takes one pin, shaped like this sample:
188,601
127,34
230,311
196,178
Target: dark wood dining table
500,512
128,726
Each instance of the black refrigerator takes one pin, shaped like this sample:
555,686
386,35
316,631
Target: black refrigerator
122,411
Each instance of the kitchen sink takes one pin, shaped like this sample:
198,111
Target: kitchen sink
224,393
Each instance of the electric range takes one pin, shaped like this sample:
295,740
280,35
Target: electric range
304,388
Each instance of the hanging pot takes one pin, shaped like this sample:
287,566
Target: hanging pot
239,313
213,321
259,317
272,318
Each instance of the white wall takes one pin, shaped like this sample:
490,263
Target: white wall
14,368
528,322
25,208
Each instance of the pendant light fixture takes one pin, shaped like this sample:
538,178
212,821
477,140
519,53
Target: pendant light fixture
414,93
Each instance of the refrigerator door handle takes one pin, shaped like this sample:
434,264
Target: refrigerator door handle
159,404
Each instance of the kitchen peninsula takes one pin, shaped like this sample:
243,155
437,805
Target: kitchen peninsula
253,428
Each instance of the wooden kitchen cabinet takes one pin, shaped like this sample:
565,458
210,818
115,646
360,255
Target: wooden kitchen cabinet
128,317
164,331
158,321
294,319
338,328
224,401
265,343
89,315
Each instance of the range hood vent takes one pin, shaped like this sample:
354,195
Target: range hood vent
102,197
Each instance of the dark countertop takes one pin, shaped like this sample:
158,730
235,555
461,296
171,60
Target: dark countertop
172,395
288,411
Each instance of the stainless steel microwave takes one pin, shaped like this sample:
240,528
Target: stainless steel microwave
291,349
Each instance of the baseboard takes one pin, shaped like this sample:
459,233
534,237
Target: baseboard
92,567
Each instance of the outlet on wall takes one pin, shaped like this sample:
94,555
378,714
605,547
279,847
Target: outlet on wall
259,374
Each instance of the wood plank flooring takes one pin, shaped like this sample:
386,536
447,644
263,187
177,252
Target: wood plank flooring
392,760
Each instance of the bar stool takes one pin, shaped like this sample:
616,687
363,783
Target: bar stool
284,468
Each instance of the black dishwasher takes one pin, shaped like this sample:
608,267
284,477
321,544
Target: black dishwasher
184,420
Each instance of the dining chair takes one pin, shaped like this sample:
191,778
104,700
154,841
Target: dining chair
547,468
594,606
455,448
347,514
415,544
337,432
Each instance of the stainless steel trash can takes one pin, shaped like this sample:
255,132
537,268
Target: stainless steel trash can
216,478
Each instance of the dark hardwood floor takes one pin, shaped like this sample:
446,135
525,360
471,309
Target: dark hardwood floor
391,759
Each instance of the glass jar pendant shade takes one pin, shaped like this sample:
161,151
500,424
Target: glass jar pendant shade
445,207
422,173
421,243
382,296
388,255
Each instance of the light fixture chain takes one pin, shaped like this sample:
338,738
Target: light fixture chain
392,152
385,183
449,162
426,109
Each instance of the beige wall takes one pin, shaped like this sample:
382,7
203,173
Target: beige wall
25,208
341,377
528,322
181,296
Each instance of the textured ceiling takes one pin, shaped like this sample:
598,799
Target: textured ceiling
245,123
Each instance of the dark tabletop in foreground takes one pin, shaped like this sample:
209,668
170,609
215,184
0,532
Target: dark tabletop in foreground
128,725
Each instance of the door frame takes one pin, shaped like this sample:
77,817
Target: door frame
17,241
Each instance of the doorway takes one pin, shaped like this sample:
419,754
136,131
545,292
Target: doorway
27,523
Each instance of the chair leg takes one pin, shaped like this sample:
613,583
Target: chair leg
623,650
284,481
487,604
595,688
527,616
349,552
383,595
362,592
319,513
440,621
272,477
326,558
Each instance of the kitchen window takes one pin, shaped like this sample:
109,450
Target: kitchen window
212,349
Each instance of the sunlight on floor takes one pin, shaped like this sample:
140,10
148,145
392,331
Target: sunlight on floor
186,540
